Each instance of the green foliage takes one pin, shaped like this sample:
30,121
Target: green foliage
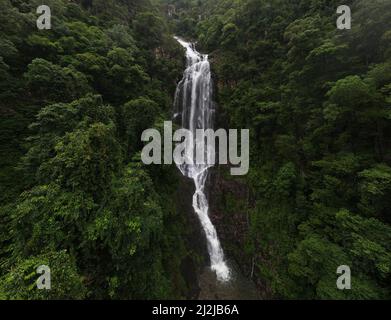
66,283
74,196
50,82
316,101
137,116
374,186
86,159
150,28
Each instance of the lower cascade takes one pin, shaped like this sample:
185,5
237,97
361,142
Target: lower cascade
194,110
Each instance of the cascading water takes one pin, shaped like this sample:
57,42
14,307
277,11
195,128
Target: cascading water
194,110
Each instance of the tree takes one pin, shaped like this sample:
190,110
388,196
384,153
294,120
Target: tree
137,116
150,28
49,82
66,283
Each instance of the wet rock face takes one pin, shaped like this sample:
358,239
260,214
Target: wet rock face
201,281
197,258
231,222
229,204
232,230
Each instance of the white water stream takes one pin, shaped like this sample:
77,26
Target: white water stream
194,110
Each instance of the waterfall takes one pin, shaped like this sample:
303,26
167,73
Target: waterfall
194,110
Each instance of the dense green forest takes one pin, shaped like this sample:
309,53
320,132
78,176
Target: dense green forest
75,99
317,101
